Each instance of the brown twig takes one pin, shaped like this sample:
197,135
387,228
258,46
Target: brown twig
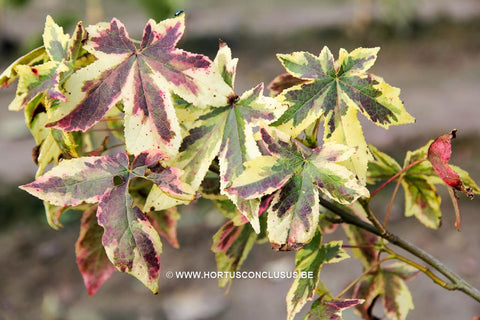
457,282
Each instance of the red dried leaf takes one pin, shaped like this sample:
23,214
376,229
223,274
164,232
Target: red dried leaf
438,154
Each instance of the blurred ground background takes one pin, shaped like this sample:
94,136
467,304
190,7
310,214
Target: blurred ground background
430,49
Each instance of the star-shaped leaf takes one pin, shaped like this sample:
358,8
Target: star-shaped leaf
226,131
330,309
389,283
131,242
336,90
309,260
143,79
34,57
40,74
62,53
299,174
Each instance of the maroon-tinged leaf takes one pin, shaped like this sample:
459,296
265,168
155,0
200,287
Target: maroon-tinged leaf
368,289
131,242
330,309
365,245
226,131
297,174
335,91
168,180
389,283
91,257
143,79
231,245
309,260
148,158
225,236
86,179
264,204
397,300
79,180
36,78
165,222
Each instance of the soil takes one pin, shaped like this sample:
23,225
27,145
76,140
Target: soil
436,62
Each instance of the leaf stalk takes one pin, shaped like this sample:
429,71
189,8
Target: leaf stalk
396,175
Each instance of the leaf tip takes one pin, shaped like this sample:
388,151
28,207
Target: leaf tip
454,133
179,13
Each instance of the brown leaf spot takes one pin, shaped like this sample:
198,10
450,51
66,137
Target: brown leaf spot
287,246
36,153
232,98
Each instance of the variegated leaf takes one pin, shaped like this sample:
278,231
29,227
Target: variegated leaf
143,79
46,78
418,182
422,201
80,180
131,242
298,173
337,90
165,222
92,259
40,75
9,75
365,243
388,283
231,245
330,309
309,260
226,132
